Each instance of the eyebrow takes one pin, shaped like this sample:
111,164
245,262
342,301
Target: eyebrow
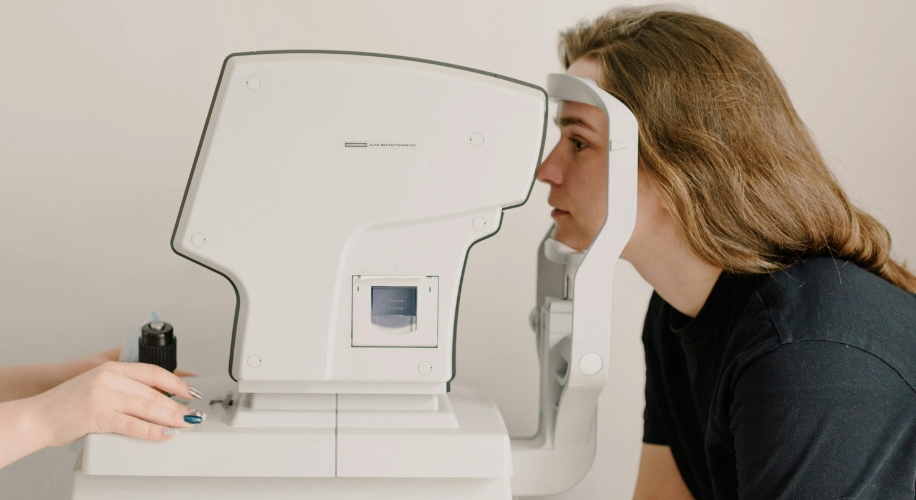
572,120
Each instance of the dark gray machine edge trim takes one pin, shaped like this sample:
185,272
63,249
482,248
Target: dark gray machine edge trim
448,385
238,301
184,198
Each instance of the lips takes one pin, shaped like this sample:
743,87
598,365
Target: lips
558,213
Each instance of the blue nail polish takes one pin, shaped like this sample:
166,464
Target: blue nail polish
193,419
198,413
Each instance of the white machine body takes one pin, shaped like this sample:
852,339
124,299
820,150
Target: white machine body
340,193
321,174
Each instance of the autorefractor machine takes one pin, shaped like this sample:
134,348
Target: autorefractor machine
340,194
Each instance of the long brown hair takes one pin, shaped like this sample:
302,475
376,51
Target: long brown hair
736,167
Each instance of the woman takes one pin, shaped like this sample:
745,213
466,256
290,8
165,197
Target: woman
56,404
781,338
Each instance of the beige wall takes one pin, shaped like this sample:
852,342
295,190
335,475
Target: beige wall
102,104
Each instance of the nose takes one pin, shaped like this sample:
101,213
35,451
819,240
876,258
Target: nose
551,170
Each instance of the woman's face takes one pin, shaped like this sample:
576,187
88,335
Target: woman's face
576,170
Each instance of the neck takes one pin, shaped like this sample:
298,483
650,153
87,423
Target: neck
678,276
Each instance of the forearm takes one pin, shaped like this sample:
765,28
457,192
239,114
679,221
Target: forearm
24,381
20,433
659,478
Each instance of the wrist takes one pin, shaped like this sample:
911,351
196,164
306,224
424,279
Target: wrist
66,370
23,429
31,422
58,373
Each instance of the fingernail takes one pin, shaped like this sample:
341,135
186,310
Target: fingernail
194,392
168,431
193,419
198,413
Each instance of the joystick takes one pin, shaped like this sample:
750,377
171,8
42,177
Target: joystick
158,345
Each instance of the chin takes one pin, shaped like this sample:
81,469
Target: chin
569,238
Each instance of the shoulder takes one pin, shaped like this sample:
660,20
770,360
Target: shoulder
814,287
813,382
819,419
835,300
815,368
827,301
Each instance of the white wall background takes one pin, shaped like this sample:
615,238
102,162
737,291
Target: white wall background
101,108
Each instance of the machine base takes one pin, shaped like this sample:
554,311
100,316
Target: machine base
471,461
87,487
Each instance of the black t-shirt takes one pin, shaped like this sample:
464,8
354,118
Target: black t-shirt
798,385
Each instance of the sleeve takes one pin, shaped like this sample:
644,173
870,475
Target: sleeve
819,419
653,430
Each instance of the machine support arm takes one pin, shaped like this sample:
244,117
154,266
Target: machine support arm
561,453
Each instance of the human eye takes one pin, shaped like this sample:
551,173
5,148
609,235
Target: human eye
577,144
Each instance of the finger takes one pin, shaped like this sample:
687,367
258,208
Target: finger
182,373
160,378
130,386
147,410
127,425
123,383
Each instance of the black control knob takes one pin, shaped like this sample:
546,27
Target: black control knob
158,345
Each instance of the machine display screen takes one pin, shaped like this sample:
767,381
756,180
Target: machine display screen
394,307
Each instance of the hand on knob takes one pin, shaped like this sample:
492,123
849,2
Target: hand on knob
114,397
